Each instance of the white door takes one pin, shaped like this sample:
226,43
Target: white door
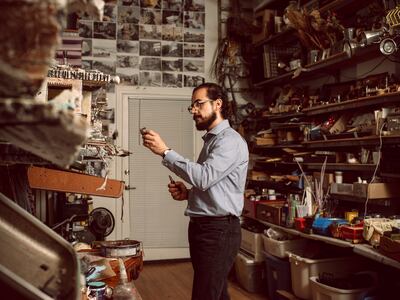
155,218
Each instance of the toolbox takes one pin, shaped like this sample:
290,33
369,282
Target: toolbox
322,225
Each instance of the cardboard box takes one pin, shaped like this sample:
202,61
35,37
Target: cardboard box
265,19
376,190
342,189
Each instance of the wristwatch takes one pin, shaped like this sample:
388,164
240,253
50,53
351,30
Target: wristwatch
165,152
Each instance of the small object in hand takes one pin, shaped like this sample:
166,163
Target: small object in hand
171,179
143,130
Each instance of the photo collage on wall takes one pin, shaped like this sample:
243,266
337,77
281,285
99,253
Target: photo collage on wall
158,43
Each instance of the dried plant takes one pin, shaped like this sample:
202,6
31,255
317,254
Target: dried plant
314,31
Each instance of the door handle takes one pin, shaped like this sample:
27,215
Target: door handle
128,187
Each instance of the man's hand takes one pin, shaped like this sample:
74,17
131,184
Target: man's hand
178,191
153,141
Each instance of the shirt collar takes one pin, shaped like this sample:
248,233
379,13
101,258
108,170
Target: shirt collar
216,130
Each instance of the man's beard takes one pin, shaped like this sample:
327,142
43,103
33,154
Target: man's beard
203,125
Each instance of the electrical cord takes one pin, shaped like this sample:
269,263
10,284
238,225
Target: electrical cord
373,69
376,167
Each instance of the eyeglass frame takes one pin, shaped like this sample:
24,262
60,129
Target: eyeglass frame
198,104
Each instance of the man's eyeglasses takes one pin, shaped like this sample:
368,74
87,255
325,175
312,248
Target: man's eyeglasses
198,104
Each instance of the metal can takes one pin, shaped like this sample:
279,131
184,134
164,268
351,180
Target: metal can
97,289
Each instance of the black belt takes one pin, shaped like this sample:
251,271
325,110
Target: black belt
213,218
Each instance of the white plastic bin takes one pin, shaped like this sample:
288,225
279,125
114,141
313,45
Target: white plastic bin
250,274
252,242
325,292
302,269
279,248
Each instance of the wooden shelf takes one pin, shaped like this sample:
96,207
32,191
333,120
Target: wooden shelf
280,146
353,142
338,60
289,125
381,202
329,166
341,167
365,250
288,115
279,186
363,102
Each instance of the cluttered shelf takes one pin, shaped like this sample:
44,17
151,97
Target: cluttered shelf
361,249
363,102
317,166
354,142
338,60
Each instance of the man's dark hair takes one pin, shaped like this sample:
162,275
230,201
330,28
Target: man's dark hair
214,91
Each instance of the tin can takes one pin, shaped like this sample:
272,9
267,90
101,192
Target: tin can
97,289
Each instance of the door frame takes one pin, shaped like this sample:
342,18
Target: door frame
123,95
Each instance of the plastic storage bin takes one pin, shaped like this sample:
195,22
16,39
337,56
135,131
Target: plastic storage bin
252,242
302,269
324,292
278,276
250,274
279,248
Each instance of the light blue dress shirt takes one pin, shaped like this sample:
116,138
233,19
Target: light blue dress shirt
219,175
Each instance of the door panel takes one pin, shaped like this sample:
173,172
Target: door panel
155,218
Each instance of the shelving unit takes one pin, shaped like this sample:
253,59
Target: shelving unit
361,249
304,114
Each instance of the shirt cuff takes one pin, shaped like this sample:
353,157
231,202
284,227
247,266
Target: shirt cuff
170,158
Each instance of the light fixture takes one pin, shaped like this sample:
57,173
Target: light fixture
370,37
387,46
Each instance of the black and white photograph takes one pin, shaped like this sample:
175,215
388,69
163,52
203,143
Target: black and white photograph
150,3
170,17
86,64
194,5
149,32
194,20
87,47
131,47
127,31
150,78
148,48
110,13
96,168
105,66
172,33
150,16
128,76
193,80
193,35
126,61
103,48
104,30
171,49
85,29
193,50
172,5
128,14
171,64
128,2
191,65
172,80
150,63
